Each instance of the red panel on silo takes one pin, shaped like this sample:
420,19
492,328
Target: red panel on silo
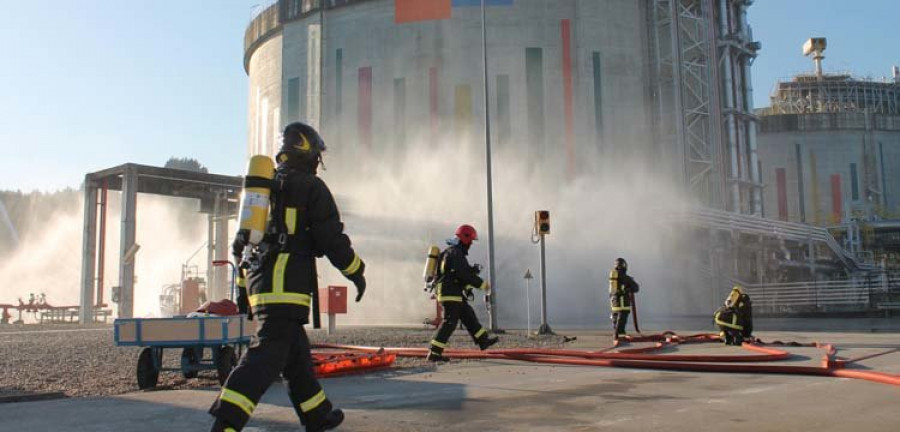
781,182
421,10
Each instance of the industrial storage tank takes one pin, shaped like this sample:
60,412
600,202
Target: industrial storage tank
830,148
568,79
593,104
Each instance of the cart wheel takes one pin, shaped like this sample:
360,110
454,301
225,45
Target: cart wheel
147,373
225,363
190,357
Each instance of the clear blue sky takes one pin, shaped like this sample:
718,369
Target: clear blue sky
88,84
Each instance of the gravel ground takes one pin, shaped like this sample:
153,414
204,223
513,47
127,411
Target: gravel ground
81,361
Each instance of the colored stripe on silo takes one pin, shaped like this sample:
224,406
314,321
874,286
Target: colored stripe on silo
421,10
433,101
566,27
339,83
837,204
814,180
781,182
364,112
534,96
462,102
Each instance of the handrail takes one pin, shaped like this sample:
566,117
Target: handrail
761,226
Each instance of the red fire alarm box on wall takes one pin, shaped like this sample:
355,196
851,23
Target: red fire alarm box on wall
333,300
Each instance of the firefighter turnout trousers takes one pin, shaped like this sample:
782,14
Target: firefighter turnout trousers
454,312
732,325
280,347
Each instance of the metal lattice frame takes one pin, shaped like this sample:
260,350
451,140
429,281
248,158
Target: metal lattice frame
687,98
835,94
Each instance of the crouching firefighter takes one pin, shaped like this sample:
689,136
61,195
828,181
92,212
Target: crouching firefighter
453,288
280,268
621,293
735,318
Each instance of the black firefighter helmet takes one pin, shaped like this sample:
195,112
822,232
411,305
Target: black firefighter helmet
301,145
621,264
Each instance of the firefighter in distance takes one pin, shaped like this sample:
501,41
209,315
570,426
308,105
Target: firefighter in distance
735,317
456,279
622,288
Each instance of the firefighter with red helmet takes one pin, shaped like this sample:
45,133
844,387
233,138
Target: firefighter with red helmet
621,289
304,224
456,279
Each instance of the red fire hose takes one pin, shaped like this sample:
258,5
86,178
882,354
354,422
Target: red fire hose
831,365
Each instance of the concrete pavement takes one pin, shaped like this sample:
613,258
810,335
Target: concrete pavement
511,396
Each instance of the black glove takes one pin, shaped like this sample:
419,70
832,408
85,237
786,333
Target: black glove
359,280
477,268
243,303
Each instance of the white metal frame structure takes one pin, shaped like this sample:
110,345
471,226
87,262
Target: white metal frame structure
703,51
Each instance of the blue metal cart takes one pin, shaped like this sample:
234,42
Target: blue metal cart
222,337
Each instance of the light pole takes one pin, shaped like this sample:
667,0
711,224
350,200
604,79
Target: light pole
528,278
490,185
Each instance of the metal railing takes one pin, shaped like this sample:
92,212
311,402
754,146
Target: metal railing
260,8
813,294
754,225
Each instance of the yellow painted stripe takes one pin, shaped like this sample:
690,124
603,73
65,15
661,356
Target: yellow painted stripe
278,276
313,402
238,400
438,344
290,219
281,298
480,332
353,267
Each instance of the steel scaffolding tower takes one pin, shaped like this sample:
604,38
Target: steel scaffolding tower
703,50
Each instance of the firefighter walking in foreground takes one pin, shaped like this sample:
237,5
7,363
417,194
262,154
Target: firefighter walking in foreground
621,289
455,281
304,223
735,318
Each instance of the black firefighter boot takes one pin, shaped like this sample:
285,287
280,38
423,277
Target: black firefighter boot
437,358
487,342
331,421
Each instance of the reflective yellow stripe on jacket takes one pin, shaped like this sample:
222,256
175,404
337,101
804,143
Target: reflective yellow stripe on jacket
733,324
290,220
280,298
353,267
442,298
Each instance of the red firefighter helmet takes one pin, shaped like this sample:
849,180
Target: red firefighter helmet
466,234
